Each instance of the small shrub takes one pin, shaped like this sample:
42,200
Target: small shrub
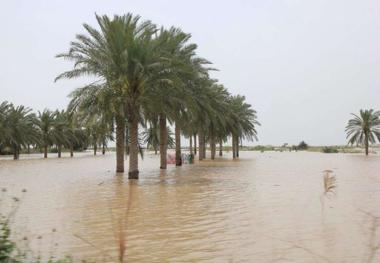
302,146
328,149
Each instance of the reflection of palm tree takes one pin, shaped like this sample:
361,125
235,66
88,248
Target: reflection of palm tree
364,128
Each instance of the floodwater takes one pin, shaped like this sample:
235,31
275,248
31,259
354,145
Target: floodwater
264,207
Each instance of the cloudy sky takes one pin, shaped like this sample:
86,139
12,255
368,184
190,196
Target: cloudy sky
304,65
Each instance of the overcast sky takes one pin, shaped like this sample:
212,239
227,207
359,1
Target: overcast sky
303,65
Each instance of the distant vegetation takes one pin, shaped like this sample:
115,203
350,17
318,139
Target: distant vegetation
302,146
328,149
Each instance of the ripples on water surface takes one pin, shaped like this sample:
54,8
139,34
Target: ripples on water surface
265,207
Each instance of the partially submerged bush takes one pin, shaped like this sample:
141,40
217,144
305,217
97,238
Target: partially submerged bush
328,149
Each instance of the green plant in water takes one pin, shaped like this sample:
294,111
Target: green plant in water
328,149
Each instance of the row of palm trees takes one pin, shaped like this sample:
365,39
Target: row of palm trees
151,76
21,128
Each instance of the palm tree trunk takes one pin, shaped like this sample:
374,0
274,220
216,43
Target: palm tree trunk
195,144
45,151
220,147
120,132
178,160
104,148
201,145
71,151
59,151
28,148
237,147
163,141
133,148
95,148
155,150
126,139
213,147
191,144
233,147
366,144
15,153
204,148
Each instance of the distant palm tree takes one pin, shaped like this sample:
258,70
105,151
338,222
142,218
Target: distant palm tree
4,109
364,128
18,128
45,126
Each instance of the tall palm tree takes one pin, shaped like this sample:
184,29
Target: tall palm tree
166,96
120,55
364,128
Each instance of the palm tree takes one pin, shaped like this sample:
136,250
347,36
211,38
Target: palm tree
151,136
45,126
4,110
121,56
166,97
364,128
19,128
243,121
62,133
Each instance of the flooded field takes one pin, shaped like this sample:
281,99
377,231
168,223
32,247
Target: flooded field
265,207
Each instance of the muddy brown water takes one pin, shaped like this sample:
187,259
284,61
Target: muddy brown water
264,207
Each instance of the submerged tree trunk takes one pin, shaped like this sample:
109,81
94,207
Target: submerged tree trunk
126,139
59,151
237,146
95,148
120,140
104,148
212,147
201,145
204,147
220,147
233,147
195,144
15,153
163,141
133,148
178,159
45,151
191,144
